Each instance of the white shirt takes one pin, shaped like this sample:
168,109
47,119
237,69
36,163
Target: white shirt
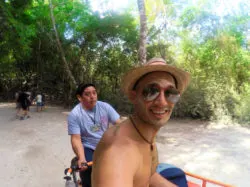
39,98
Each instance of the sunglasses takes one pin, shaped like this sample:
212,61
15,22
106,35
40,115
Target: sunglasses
152,91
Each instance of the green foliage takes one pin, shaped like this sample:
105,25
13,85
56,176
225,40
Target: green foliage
20,4
242,108
219,69
100,47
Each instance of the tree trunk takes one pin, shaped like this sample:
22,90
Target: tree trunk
143,32
38,66
65,63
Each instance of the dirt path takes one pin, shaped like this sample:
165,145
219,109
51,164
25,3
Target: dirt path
34,152
218,152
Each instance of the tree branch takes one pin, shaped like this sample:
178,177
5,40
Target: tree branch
59,45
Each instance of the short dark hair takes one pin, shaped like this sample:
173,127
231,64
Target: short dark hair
82,87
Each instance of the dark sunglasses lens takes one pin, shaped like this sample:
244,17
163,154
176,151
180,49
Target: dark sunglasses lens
172,95
173,98
150,93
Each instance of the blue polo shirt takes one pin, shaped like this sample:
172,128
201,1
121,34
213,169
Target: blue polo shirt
91,124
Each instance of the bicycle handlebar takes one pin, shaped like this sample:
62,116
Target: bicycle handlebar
87,164
68,171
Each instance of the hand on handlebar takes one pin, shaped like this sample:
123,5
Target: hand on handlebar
82,165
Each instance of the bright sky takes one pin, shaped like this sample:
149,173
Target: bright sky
224,7
221,8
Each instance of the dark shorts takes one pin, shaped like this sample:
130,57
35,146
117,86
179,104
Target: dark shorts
24,105
39,104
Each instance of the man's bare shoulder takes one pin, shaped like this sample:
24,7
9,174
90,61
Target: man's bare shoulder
115,152
117,138
117,143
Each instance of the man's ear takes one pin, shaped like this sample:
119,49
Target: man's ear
79,97
132,96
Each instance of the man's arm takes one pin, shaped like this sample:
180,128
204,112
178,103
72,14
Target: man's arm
157,180
74,131
78,147
114,165
114,117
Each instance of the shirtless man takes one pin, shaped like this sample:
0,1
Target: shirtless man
127,155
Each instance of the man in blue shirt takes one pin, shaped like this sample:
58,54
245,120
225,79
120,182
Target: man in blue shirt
88,121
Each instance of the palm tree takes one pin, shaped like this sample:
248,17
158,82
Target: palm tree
143,32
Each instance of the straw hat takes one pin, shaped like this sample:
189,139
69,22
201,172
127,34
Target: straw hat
129,80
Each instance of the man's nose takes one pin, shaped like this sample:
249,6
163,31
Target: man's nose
92,96
161,100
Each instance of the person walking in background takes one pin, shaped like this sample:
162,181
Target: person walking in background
39,102
29,94
43,101
23,99
18,104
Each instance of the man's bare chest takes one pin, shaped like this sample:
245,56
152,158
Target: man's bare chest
147,167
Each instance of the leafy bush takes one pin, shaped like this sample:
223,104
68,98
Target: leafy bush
242,109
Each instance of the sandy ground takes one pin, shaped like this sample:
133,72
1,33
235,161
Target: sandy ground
35,152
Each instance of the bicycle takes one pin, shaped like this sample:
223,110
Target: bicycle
72,174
